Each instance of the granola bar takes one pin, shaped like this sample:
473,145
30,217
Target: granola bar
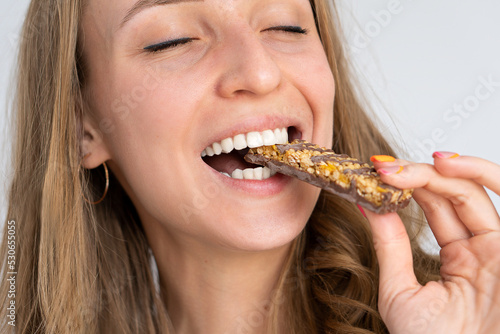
339,174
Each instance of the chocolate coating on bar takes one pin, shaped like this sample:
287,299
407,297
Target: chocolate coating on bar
339,174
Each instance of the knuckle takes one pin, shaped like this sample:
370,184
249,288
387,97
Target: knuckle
432,207
462,197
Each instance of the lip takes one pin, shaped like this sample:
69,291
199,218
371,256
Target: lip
259,188
255,188
257,124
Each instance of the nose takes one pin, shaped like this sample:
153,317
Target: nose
247,66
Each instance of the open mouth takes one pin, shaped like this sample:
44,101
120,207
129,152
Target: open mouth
226,156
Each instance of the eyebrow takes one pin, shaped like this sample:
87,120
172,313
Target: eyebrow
143,4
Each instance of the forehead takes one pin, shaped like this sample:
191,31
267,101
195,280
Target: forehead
108,12
143,4
117,12
103,19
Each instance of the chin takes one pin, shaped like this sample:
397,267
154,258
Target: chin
270,225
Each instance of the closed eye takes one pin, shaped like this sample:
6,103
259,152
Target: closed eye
169,44
290,29
185,40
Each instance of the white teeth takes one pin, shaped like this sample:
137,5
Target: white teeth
277,135
240,142
284,136
266,173
259,173
227,145
217,148
237,174
210,151
251,140
254,139
268,137
248,174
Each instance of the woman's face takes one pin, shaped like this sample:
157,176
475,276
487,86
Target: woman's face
167,79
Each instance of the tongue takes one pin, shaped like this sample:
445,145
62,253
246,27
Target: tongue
227,163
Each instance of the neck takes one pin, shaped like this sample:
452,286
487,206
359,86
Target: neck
214,290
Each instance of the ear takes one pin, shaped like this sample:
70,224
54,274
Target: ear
93,146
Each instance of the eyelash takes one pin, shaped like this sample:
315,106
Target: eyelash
168,44
290,29
181,41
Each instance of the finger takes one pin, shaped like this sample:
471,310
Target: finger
442,217
482,171
469,199
394,255
439,212
380,161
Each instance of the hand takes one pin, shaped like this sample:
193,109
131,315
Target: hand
466,226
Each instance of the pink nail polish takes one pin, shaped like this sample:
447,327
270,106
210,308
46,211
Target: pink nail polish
362,211
445,155
391,170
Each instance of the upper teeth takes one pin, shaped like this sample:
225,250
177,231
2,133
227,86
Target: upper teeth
251,140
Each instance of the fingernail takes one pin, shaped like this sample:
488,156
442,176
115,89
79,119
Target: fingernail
382,158
391,170
362,211
445,155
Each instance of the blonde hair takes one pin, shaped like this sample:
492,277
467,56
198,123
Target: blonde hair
85,269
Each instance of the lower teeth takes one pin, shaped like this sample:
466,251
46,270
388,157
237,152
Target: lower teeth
260,173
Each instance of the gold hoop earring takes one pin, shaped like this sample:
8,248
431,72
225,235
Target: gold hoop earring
105,189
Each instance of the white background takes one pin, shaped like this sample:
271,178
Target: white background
425,59
421,58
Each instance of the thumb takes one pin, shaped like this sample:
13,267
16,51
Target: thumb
394,254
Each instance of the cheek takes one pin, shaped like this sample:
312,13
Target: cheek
324,94
146,121
317,85
147,110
